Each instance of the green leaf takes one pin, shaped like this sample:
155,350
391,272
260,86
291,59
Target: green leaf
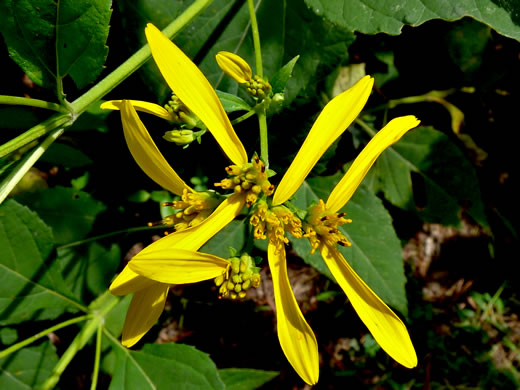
375,253
232,236
372,17
280,79
31,285
27,368
245,378
89,267
50,40
159,366
232,103
68,212
68,156
445,180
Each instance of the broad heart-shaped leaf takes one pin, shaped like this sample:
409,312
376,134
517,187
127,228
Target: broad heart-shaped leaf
232,236
31,285
245,378
164,366
446,180
68,212
28,368
52,39
375,253
373,16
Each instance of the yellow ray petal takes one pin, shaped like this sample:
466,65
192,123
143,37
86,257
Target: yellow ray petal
195,91
146,153
234,66
178,266
194,237
149,108
387,136
144,311
128,282
334,119
296,336
386,327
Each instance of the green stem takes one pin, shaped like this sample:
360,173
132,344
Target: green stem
264,144
23,101
262,118
88,330
43,333
243,117
136,60
256,39
26,163
370,131
97,358
54,122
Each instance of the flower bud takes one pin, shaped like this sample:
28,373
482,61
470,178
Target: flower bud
234,66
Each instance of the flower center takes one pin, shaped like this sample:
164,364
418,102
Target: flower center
250,178
244,274
258,87
321,225
272,223
191,210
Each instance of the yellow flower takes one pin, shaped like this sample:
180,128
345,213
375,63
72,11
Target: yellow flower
323,219
195,92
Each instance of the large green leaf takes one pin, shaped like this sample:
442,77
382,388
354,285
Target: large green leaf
31,285
28,368
68,212
245,378
52,39
373,16
375,253
89,267
445,179
164,366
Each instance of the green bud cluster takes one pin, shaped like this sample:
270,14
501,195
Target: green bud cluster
244,275
180,113
258,87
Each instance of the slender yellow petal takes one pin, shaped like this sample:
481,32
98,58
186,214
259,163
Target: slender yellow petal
234,66
387,136
128,282
144,311
178,266
194,237
334,119
296,336
195,91
146,153
386,327
149,108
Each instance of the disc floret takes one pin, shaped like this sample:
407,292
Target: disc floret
250,178
321,225
193,208
244,275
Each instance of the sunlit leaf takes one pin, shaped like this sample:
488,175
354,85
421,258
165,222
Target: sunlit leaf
50,40
68,212
27,368
159,366
31,285
245,378
372,17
